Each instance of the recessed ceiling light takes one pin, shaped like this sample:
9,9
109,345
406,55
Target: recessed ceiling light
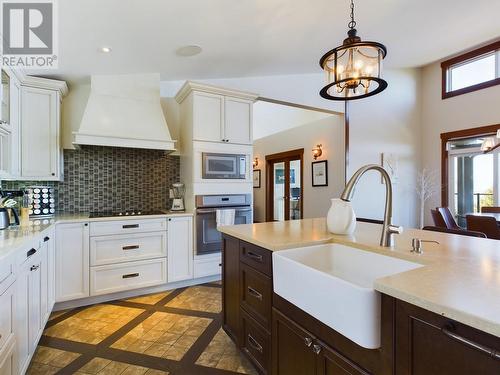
187,51
105,49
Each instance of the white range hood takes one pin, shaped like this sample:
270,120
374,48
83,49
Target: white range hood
125,111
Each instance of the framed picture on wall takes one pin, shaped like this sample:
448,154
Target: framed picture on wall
319,172
256,178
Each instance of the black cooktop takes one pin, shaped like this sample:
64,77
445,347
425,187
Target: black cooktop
125,213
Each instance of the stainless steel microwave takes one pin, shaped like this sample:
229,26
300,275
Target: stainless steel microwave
224,166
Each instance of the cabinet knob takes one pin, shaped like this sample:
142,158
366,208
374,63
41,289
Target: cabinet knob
53,174
45,239
169,219
308,341
86,224
34,268
316,348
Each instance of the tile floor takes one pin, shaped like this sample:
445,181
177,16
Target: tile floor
176,332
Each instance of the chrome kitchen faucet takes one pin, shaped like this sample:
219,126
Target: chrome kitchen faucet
388,228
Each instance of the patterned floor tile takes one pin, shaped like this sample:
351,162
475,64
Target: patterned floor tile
198,298
93,324
163,335
222,353
101,366
49,360
150,299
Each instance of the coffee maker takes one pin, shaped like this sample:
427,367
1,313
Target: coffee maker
177,192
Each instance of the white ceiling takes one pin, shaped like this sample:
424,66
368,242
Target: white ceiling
259,37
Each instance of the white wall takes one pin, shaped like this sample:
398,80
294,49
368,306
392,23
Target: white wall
330,133
388,122
478,108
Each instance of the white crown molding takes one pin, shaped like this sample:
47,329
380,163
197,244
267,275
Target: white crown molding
190,86
45,83
39,82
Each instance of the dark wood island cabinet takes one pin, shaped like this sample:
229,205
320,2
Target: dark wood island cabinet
281,339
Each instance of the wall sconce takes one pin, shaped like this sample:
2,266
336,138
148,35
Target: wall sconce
255,162
317,152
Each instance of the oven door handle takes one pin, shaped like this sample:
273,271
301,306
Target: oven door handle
211,210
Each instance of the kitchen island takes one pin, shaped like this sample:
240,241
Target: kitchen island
442,317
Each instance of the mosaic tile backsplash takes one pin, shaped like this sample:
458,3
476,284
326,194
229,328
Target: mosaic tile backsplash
112,179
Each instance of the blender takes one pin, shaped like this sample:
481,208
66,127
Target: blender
177,192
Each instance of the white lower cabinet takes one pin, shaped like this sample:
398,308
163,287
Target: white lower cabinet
180,248
31,307
72,261
7,314
7,359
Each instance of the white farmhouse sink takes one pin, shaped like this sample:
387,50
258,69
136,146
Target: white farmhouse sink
334,283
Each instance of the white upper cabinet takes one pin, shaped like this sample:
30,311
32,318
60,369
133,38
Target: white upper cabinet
5,97
40,144
216,114
238,121
15,126
208,117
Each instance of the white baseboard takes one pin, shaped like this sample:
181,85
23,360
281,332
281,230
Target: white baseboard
132,293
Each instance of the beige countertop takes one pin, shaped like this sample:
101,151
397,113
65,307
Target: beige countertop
17,237
460,278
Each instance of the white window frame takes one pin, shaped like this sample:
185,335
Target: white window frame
452,177
468,61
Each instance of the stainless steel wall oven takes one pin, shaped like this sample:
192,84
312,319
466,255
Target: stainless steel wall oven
208,238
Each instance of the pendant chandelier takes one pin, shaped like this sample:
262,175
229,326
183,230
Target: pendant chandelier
353,70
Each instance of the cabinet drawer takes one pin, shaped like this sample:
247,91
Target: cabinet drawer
256,343
257,257
103,228
127,247
127,276
6,316
207,267
256,295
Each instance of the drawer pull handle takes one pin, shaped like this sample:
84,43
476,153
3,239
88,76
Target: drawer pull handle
130,226
449,329
254,256
316,348
34,268
254,293
308,341
30,252
254,344
130,275
131,247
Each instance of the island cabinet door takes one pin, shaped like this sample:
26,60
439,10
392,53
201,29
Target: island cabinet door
331,362
427,343
231,287
292,348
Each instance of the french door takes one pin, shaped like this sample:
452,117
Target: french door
474,181
284,186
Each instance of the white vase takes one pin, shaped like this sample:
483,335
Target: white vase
341,218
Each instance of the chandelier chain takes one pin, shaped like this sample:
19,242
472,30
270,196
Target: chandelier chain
352,23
